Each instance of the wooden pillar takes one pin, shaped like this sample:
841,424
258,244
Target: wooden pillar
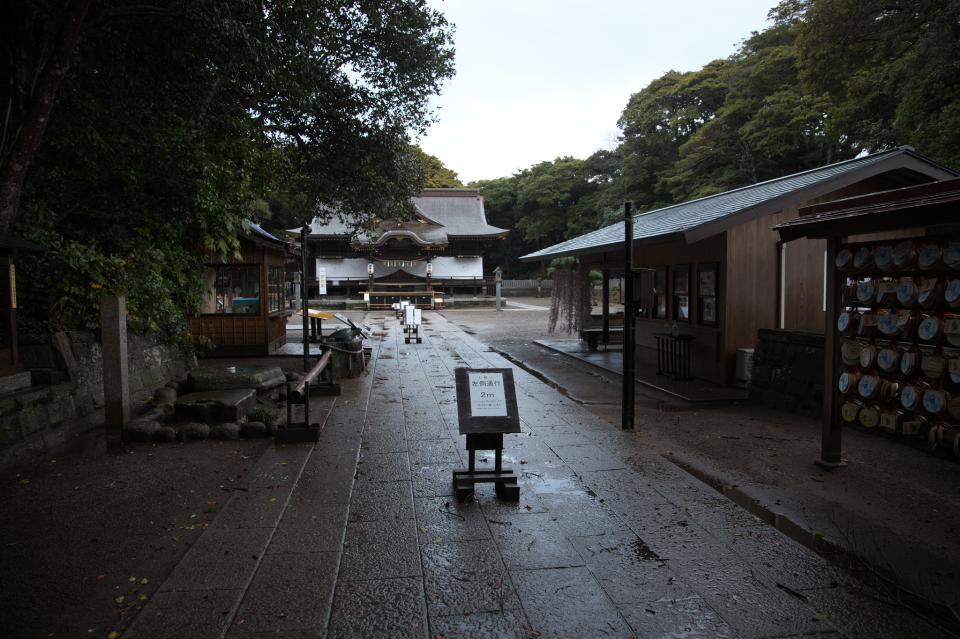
116,378
304,296
606,307
831,437
629,347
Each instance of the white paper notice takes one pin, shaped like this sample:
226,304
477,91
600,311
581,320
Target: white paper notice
488,395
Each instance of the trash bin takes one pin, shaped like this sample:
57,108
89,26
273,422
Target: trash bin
346,346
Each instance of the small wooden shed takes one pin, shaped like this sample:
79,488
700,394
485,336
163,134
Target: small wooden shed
245,307
715,267
892,359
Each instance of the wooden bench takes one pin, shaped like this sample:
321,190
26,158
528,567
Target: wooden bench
592,336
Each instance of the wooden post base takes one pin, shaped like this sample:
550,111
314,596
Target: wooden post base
505,483
505,480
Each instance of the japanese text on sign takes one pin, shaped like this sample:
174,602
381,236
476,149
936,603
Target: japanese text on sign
487,395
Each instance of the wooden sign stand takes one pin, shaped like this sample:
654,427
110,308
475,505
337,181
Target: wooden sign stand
412,318
486,408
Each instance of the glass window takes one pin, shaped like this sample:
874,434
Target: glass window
708,293
660,293
230,288
275,289
681,293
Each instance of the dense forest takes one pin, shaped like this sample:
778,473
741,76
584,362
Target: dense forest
827,80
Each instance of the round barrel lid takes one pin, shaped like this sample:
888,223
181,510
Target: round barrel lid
930,256
908,363
934,401
887,360
883,257
867,355
868,386
904,254
862,258
951,256
866,291
845,381
953,407
844,259
849,411
929,329
844,321
888,324
952,292
907,293
869,416
910,398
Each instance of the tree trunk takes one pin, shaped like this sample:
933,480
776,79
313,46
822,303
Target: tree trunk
14,171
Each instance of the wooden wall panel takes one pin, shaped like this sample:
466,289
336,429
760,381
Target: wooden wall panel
751,271
803,307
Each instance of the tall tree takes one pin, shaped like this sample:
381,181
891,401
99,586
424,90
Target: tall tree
37,40
891,70
657,121
156,153
436,174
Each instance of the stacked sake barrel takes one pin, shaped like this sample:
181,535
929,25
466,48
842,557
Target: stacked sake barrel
899,332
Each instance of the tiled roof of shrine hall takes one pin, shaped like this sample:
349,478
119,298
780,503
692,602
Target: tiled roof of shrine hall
443,213
701,218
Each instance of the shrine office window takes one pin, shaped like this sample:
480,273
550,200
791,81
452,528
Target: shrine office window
681,292
231,289
708,293
275,289
660,293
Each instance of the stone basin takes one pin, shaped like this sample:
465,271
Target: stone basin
259,378
216,406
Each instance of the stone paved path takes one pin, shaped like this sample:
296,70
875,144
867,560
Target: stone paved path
360,536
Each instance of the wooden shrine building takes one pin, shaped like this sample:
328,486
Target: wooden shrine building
244,309
716,268
440,250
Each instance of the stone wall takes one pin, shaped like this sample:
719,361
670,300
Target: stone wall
67,394
788,371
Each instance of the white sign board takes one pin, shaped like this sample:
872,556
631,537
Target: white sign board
488,396
322,278
412,316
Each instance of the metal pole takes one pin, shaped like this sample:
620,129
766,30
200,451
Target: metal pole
304,306
629,365
606,307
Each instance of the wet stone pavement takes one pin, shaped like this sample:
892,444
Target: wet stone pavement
360,535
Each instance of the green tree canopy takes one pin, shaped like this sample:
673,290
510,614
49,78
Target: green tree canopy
178,120
436,174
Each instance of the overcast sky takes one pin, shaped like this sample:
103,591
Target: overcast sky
539,79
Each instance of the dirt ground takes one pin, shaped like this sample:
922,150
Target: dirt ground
895,504
87,540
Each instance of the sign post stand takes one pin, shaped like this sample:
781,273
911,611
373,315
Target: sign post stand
412,318
486,408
